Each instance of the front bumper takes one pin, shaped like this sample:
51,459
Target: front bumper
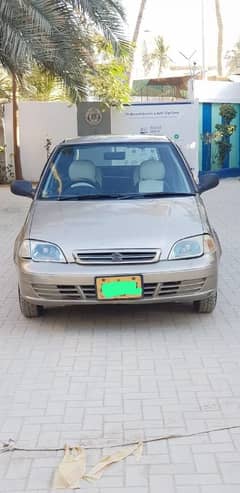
50,284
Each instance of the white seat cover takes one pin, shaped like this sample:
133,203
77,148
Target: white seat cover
80,170
151,186
151,176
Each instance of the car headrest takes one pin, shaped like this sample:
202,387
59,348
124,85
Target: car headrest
152,170
151,186
79,170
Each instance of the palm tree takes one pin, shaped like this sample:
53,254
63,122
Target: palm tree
56,36
220,36
136,35
42,85
233,59
144,58
159,56
139,21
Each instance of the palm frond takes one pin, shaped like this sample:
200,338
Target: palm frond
5,86
87,6
107,15
57,37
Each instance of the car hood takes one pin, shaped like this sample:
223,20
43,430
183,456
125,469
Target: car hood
115,224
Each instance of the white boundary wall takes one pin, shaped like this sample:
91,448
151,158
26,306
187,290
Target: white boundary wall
217,91
178,121
39,121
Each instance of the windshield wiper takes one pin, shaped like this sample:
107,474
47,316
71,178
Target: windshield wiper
117,196
85,197
155,195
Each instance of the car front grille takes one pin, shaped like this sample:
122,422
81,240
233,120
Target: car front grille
180,287
88,292
58,292
116,257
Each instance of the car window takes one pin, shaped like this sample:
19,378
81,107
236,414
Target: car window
118,169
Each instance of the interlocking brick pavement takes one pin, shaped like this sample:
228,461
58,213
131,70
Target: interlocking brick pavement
124,373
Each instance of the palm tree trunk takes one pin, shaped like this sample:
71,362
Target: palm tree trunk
2,146
16,141
136,36
139,21
220,36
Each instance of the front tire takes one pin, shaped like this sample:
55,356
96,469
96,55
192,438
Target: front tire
207,305
28,309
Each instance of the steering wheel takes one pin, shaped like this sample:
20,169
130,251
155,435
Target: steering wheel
85,183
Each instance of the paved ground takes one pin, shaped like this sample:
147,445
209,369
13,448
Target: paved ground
126,373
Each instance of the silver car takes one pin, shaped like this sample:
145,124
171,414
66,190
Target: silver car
116,219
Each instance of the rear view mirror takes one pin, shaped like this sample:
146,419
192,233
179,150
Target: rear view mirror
23,188
207,182
109,156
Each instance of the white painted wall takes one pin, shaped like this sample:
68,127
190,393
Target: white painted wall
58,121
217,92
39,121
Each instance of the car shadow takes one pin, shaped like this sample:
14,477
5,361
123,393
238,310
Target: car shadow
115,317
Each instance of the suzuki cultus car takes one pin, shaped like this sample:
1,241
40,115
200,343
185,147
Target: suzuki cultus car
116,219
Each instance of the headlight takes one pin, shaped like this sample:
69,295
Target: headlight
192,247
41,251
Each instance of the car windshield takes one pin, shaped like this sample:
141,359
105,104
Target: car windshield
124,171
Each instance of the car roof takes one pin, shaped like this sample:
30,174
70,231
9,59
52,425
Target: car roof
108,139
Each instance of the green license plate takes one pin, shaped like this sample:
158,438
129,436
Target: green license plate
117,288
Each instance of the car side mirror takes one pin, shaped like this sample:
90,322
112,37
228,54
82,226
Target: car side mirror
23,188
207,182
